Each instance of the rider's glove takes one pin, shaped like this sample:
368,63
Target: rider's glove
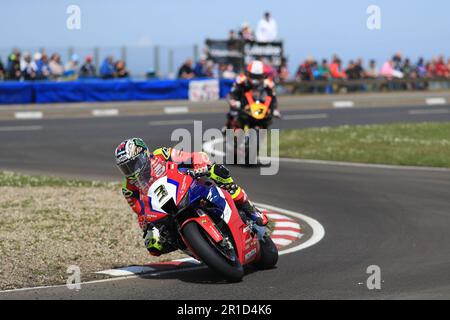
152,242
277,113
234,104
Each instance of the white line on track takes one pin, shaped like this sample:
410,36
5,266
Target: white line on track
286,233
209,148
435,101
425,112
31,115
306,116
105,112
287,224
282,242
343,104
21,128
170,123
275,216
176,110
317,235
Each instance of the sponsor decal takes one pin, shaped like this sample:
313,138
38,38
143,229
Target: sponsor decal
250,254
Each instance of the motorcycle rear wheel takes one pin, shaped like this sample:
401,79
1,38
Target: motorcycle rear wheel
210,256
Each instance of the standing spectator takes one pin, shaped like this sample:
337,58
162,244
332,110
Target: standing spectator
358,70
2,70
448,67
388,71
350,71
186,71
200,68
27,67
232,36
271,71
408,69
246,32
13,66
229,73
315,70
56,67
324,70
397,61
121,70
43,69
431,68
283,71
336,69
71,69
421,69
372,72
267,30
304,72
87,70
210,72
107,68
441,68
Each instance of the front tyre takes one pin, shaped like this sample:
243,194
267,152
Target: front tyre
269,254
209,255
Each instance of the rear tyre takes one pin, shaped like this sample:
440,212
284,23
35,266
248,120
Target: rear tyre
210,256
269,254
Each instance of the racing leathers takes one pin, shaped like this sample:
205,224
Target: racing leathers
200,163
237,99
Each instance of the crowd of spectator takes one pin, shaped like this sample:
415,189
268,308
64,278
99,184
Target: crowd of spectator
397,67
205,68
40,66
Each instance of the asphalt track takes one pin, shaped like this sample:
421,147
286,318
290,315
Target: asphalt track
395,219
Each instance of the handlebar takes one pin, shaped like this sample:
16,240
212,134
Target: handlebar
196,175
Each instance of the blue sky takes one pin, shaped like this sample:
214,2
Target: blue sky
316,28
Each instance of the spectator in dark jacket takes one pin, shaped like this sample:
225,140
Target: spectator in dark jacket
13,67
421,69
121,70
87,70
304,72
2,70
186,71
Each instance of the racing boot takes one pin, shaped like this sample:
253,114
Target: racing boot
221,175
254,214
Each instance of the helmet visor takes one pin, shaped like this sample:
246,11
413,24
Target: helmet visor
137,170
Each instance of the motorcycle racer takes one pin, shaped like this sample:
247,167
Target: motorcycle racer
141,168
254,78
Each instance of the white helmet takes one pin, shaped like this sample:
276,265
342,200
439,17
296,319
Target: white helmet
256,72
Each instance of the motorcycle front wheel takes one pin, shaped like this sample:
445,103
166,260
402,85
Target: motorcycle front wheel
269,254
233,272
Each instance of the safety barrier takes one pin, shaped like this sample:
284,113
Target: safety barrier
103,91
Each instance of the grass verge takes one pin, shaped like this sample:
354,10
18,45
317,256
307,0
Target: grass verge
423,144
48,224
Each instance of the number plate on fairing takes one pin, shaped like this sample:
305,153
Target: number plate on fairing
160,193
